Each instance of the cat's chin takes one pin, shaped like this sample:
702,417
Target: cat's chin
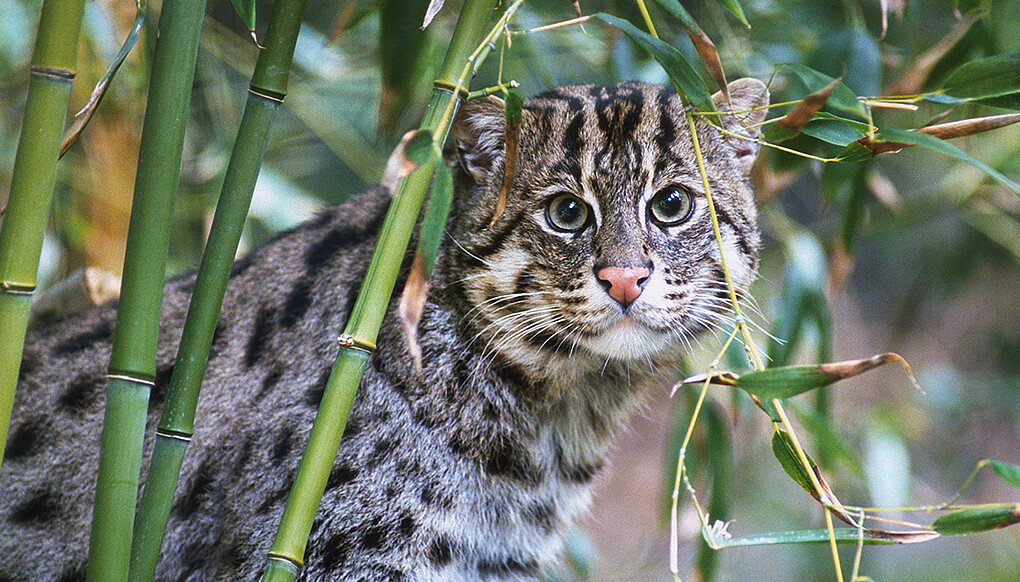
627,339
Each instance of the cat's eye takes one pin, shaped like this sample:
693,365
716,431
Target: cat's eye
567,213
671,206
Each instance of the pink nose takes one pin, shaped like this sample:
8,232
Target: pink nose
624,282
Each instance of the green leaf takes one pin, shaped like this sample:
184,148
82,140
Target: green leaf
842,98
821,536
835,130
1008,473
784,382
435,216
680,13
246,10
782,448
990,77
514,105
968,521
688,83
734,7
940,145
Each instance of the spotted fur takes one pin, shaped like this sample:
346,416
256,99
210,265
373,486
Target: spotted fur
472,467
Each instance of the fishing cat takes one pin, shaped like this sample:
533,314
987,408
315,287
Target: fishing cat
544,324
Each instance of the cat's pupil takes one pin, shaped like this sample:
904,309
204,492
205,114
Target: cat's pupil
671,206
567,213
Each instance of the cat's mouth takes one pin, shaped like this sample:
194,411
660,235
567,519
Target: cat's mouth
627,337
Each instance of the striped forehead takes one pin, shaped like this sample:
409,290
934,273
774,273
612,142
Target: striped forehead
614,139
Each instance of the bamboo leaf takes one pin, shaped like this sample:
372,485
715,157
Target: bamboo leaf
1007,472
835,130
734,7
972,126
968,521
412,305
246,10
989,77
821,536
782,448
512,111
841,98
829,442
434,7
704,45
913,79
684,77
82,118
887,140
414,150
794,121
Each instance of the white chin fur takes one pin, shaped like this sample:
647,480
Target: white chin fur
626,340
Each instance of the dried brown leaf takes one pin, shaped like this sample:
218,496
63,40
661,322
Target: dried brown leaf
511,140
970,126
800,115
710,57
912,80
944,131
411,307
398,165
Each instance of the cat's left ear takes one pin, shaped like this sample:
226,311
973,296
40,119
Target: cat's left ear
479,132
749,99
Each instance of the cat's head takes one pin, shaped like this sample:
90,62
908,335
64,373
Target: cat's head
605,248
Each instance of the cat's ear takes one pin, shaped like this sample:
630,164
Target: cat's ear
479,132
749,99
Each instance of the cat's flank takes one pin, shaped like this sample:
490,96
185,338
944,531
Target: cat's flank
541,331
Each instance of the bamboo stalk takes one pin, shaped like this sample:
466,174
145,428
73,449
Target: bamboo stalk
132,362
266,92
34,174
358,341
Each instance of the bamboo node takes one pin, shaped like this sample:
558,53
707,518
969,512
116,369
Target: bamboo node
9,288
442,85
266,94
351,342
173,434
50,72
286,560
133,379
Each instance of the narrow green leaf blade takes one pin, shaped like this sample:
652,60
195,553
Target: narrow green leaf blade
835,130
1007,472
784,382
246,10
782,448
734,7
683,75
676,10
841,99
514,105
968,521
990,77
939,145
821,536
435,216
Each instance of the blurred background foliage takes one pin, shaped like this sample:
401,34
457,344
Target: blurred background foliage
911,252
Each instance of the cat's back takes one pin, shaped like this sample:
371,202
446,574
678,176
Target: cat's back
268,364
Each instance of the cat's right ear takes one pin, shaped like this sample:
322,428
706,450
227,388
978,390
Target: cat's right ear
478,132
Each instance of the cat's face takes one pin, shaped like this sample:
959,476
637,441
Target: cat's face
605,249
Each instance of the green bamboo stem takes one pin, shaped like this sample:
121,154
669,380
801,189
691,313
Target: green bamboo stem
133,358
288,550
266,92
28,205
